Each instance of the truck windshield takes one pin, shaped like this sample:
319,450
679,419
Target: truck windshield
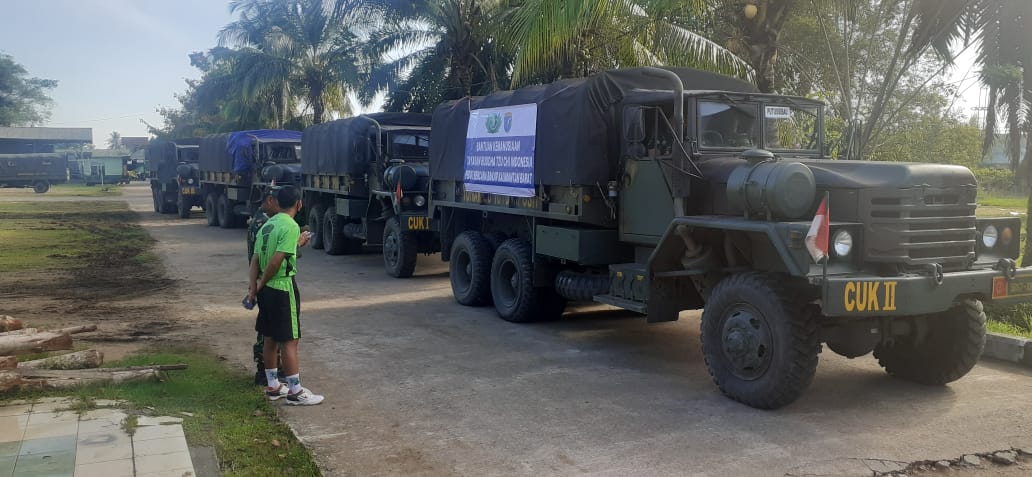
729,125
410,146
281,152
790,127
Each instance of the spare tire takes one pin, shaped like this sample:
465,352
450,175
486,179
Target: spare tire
581,286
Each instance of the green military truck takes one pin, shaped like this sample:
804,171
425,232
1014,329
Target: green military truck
38,171
174,176
236,169
365,183
658,191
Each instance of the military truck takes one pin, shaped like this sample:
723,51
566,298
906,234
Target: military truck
174,176
663,190
38,171
365,184
237,169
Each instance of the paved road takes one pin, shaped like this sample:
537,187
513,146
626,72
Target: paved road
419,385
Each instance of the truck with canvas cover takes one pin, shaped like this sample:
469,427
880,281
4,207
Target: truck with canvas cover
237,169
38,171
174,175
662,190
365,184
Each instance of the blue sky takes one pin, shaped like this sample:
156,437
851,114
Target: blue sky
115,60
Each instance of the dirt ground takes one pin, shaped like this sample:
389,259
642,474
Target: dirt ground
417,385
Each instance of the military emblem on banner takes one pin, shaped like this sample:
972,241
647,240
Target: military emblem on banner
493,123
508,121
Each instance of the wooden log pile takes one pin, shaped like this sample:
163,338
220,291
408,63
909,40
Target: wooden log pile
61,371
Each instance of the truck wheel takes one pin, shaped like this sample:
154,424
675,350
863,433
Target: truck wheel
157,202
225,212
210,209
41,187
315,218
954,343
399,250
182,205
581,286
334,240
759,342
512,286
167,206
470,269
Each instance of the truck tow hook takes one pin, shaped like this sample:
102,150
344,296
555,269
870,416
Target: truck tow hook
1008,267
936,271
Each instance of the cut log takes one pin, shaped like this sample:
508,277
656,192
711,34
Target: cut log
77,329
31,331
90,358
71,379
10,324
10,380
8,362
34,343
21,332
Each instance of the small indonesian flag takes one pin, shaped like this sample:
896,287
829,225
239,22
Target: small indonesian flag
397,191
817,237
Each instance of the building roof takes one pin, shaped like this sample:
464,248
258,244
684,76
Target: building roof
48,134
133,142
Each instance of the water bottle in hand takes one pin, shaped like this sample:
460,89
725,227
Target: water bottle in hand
248,303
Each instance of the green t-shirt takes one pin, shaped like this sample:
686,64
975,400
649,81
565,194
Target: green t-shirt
279,234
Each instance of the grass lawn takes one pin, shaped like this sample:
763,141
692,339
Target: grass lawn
59,235
229,414
79,190
1006,202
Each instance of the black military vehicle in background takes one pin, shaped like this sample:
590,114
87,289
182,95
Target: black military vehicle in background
172,169
38,171
236,170
658,191
365,182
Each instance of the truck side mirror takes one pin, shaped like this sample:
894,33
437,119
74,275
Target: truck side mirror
634,124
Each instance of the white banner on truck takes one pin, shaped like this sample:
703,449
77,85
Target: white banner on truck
500,144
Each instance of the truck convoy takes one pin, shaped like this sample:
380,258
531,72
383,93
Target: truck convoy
365,181
236,169
172,170
663,190
38,171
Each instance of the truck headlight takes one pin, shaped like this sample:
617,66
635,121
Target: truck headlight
189,181
989,236
420,201
842,243
1006,236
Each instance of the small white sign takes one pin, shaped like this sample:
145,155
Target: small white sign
778,112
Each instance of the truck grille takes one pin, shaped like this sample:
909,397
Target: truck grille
921,225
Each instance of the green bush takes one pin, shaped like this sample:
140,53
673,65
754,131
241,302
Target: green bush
996,180
1018,316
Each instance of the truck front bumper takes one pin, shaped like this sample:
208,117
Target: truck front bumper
866,295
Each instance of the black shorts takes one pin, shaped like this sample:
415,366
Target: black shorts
279,313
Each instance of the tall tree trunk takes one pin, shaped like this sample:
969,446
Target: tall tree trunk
315,96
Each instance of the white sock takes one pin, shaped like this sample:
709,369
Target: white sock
271,378
294,381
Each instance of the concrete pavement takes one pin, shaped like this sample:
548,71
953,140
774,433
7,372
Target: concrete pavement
418,385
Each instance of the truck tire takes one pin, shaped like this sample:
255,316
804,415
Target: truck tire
334,240
225,212
183,206
576,286
157,201
759,341
41,187
512,286
315,218
210,209
469,269
400,248
955,341
167,206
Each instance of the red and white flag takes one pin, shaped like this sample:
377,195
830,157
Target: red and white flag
817,237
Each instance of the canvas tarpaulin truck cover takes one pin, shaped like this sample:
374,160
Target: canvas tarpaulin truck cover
346,146
161,158
234,151
577,139
17,166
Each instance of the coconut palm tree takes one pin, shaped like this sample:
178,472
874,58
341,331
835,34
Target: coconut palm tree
430,52
565,38
114,141
295,49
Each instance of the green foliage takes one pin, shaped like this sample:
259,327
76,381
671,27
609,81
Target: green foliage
24,100
996,181
1010,319
927,137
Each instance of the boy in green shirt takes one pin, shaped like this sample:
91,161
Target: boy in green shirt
271,283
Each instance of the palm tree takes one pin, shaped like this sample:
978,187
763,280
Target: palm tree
435,51
566,38
114,140
295,48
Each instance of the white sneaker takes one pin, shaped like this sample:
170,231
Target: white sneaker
274,394
304,398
